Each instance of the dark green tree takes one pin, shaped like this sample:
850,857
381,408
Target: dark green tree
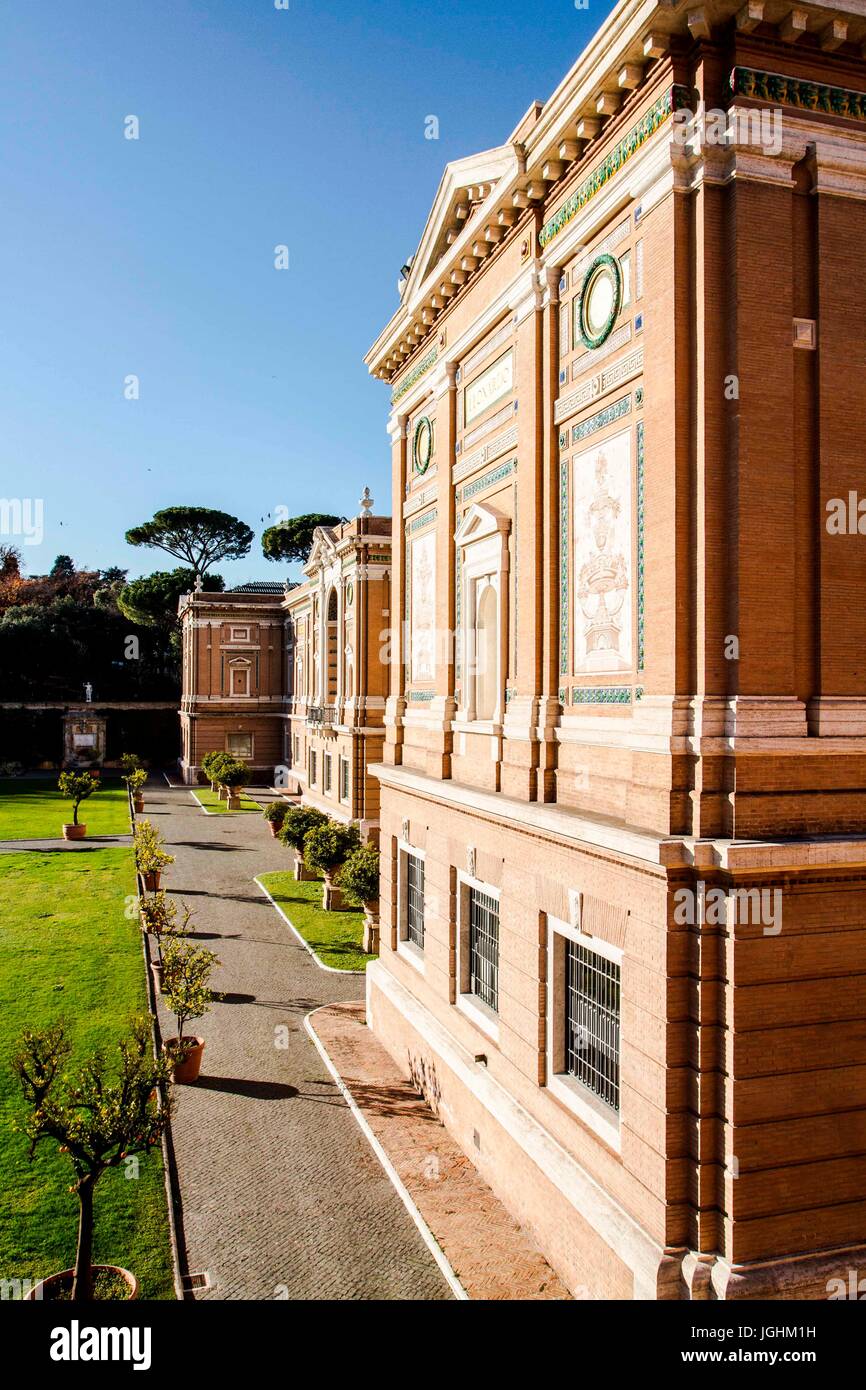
199,536
293,539
63,567
152,600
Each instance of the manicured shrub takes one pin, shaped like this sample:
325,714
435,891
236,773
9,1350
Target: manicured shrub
297,823
77,786
328,846
275,812
359,876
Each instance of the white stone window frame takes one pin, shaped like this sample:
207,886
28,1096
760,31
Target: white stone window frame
239,634
345,776
327,772
482,537
588,1108
406,948
240,733
468,1004
240,663
312,767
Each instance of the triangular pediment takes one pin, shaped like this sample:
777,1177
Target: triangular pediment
480,522
322,551
466,187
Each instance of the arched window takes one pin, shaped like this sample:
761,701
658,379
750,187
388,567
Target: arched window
332,647
486,652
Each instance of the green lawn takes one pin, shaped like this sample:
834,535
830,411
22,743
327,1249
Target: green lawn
31,809
211,801
334,936
67,952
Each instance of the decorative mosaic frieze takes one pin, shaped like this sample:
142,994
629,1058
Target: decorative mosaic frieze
497,446
503,470
563,566
640,547
424,520
613,239
503,335
416,373
618,338
601,420
418,500
601,695
493,423
614,160
799,93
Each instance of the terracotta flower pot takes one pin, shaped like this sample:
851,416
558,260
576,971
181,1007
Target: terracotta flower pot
74,832
156,968
151,880
185,1069
47,1289
274,826
234,801
138,803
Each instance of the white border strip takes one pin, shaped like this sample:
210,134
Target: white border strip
331,969
397,1182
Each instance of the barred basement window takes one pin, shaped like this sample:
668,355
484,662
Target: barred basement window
344,779
415,900
592,1021
326,770
484,947
312,767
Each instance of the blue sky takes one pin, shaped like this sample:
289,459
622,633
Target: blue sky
155,257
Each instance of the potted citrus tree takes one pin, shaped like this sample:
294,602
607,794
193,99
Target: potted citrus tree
135,780
234,775
297,822
159,918
209,764
150,857
217,766
186,972
326,849
98,1118
77,787
359,880
275,813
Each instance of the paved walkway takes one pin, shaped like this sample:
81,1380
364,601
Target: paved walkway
492,1256
282,1196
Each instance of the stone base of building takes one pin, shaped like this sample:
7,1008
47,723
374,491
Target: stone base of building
595,1246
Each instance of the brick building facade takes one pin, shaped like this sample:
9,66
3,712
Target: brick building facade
623,821
293,678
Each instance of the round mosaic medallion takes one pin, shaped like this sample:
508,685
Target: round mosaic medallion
600,300
350,594
422,445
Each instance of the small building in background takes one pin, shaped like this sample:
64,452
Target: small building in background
233,695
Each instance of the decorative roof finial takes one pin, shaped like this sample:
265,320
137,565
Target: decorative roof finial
366,503
199,586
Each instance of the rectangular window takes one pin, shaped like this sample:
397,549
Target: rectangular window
592,1021
326,771
312,767
344,779
239,745
484,948
415,900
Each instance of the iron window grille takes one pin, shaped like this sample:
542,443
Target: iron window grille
344,779
415,900
312,767
484,947
326,771
592,1022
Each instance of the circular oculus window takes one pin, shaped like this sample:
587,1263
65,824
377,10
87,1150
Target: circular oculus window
600,300
422,445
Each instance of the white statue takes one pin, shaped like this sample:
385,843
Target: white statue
88,692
